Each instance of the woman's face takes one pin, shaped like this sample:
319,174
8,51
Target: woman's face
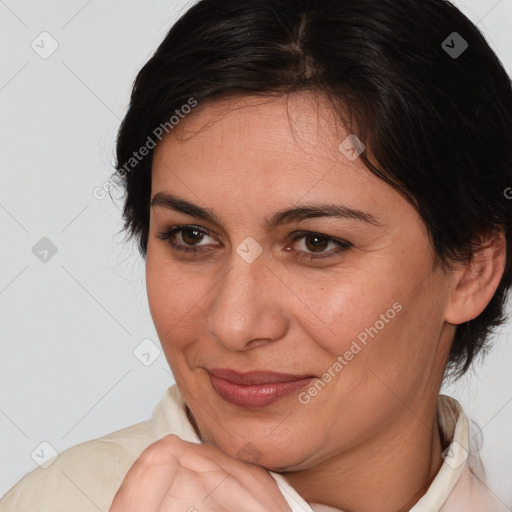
359,331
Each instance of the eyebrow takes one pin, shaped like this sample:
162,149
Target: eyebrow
305,211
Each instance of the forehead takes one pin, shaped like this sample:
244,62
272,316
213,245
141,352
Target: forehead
297,134
251,155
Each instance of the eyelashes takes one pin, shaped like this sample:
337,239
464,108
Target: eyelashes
169,235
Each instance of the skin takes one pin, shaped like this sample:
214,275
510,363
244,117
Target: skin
372,427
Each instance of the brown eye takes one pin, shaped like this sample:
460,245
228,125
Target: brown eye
313,246
191,236
316,243
187,239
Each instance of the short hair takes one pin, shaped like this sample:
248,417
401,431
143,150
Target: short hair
415,81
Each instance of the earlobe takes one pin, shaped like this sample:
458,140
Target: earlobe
475,282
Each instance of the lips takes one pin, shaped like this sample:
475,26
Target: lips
256,389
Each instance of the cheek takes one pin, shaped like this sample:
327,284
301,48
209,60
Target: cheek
173,297
379,325
352,313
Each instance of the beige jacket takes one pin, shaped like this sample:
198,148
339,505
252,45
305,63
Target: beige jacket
86,477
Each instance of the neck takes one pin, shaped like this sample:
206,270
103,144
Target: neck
388,473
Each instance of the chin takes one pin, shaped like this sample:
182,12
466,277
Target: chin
272,458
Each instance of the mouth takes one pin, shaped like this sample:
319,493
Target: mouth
255,389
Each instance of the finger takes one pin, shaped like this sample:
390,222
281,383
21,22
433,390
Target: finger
173,471
254,479
144,489
252,482
149,478
212,491
194,460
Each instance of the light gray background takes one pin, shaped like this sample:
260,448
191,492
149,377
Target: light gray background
70,325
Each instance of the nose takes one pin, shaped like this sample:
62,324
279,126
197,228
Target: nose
246,311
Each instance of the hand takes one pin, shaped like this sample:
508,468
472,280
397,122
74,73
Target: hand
173,475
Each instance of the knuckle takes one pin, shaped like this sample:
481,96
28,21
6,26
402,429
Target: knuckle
172,439
162,450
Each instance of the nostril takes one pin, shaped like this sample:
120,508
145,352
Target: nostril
258,342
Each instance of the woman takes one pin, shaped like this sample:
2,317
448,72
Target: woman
319,192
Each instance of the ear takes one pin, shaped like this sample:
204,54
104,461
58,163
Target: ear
475,282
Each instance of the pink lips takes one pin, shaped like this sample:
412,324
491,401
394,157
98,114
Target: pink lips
255,389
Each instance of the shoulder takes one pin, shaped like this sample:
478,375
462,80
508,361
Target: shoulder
473,493
84,477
